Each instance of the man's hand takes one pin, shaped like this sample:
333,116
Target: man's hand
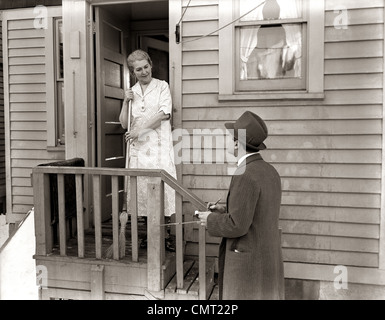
215,207
203,217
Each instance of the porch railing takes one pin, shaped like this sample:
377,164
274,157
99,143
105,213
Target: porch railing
155,218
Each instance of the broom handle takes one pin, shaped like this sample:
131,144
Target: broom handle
127,158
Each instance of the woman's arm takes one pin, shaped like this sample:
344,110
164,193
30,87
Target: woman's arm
123,117
156,120
151,124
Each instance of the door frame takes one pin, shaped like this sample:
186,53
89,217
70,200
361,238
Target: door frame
175,72
92,45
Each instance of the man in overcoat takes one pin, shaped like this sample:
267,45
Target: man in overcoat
250,263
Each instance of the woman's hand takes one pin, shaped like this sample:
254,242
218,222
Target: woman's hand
131,135
128,95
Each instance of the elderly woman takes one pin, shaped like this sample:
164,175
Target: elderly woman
151,144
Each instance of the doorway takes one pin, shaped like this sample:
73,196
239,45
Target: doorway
119,30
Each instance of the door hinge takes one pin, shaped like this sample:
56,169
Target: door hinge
92,26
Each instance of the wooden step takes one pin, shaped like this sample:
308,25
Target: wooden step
190,290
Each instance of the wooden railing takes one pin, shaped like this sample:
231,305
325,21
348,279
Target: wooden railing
155,218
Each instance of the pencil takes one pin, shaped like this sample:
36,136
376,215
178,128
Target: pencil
217,202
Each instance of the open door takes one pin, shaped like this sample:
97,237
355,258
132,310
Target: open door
110,85
158,48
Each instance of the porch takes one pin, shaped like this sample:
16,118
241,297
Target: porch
71,253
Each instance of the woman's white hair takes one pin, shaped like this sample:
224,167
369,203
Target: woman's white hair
137,55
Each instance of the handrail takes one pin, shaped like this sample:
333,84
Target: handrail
160,173
164,177
173,183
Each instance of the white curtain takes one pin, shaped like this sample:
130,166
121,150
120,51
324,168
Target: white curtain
292,53
249,36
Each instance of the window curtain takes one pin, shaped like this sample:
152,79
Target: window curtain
291,9
249,36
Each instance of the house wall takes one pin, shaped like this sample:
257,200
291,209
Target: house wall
2,134
14,4
27,67
328,152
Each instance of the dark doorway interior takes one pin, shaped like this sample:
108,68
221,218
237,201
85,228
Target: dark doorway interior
121,29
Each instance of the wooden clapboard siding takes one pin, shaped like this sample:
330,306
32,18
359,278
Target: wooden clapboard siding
331,5
310,127
297,170
336,214
289,113
369,186
27,108
328,152
304,142
331,257
28,3
357,17
330,243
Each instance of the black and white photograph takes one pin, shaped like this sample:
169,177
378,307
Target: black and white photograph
190,155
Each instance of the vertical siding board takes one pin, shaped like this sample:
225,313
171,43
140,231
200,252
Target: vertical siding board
5,25
323,130
2,133
382,216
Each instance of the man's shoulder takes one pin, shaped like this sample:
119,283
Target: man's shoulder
257,168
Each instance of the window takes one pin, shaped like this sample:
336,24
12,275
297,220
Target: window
269,46
59,83
277,51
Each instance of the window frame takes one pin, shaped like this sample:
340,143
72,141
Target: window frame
59,81
252,85
314,82
52,84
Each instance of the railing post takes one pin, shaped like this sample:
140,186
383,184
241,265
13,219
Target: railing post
155,236
202,262
80,215
134,217
281,269
115,216
179,242
62,218
97,216
42,205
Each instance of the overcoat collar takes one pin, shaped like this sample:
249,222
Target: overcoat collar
251,158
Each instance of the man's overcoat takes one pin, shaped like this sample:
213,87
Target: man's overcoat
250,258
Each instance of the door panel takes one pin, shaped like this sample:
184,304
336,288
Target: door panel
110,83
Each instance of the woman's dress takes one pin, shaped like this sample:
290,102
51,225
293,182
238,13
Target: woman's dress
154,149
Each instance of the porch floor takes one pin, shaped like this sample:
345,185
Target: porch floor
191,276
